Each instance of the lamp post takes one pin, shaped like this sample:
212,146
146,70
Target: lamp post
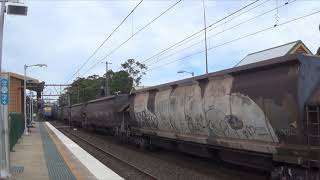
182,71
31,107
13,9
25,94
318,52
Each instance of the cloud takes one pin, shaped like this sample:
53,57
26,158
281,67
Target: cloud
64,34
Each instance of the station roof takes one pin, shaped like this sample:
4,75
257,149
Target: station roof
32,83
21,77
278,51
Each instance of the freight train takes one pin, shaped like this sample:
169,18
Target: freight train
264,114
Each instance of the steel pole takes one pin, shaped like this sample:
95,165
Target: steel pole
4,159
3,6
25,100
31,104
106,89
205,34
31,107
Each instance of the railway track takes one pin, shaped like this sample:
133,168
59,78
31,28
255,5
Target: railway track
131,163
103,151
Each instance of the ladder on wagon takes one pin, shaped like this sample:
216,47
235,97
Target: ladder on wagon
312,129
313,125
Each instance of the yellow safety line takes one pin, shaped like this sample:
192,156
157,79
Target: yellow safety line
69,163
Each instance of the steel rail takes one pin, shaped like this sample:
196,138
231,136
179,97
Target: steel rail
111,154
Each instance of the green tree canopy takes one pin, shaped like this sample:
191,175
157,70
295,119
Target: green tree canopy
135,69
92,87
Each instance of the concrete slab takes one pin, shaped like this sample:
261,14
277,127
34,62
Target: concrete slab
29,154
94,166
76,167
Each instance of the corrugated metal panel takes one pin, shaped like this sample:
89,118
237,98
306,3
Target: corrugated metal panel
268,53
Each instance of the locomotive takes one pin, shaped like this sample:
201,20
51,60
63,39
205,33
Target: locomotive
265,114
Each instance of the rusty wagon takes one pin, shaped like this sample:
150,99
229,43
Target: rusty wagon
264,114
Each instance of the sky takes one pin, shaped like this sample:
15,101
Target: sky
63,34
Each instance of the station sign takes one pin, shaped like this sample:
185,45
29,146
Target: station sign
4,91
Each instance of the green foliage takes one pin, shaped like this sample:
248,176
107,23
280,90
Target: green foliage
120,81
85,89
135,69
92,87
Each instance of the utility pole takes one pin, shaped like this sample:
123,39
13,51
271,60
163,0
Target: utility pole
106,88
205,34
5,93
318,52
30,107
4,153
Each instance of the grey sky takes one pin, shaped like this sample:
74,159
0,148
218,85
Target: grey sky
64,33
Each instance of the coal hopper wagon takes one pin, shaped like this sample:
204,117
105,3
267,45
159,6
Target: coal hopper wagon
264,114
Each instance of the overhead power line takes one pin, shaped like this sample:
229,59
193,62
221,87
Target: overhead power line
223,31
105,40
200,31
236,39
115,49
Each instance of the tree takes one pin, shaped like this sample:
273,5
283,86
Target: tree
92,87
135,69
120,81
84,89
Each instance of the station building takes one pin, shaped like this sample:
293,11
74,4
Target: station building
16,94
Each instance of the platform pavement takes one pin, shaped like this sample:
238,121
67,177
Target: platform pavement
34,157
29,155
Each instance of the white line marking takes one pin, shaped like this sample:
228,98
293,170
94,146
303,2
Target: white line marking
99,170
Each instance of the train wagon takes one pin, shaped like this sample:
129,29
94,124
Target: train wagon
77,114
65,113
59,113
103,113
264,114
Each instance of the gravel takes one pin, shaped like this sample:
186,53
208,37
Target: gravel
162,164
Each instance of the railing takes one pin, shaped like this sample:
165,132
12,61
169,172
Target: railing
16,127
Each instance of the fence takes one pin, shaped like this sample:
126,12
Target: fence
16,126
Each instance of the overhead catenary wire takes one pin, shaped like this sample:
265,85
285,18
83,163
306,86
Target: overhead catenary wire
104,41
224,30
212,28
195,37
137,32
236,39
200,31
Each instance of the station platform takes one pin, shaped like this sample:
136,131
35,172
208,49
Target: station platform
47,154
